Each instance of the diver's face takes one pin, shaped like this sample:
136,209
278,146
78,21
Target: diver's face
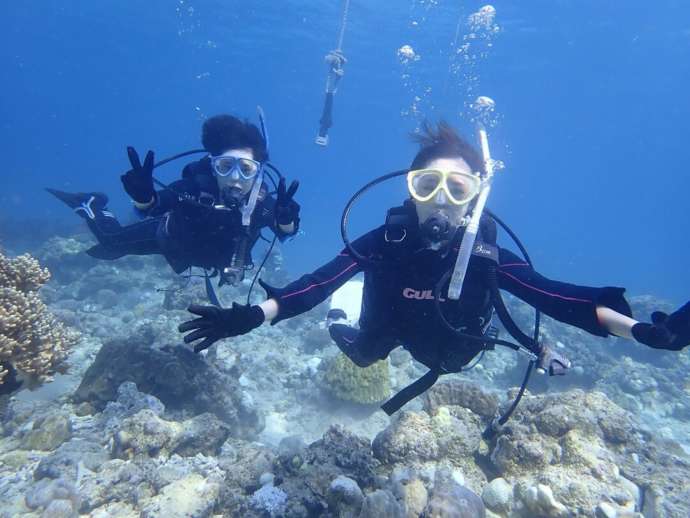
234,181
440,204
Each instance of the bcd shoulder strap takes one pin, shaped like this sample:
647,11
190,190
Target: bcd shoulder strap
401,222
485,245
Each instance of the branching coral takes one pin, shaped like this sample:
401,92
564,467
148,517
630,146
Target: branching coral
31,339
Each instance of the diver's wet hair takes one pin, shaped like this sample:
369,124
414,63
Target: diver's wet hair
443,142
223,132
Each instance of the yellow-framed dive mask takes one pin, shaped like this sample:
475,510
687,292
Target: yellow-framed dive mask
460,188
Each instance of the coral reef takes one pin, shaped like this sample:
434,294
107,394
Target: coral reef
32,341
347,382
315,339
571,454
65,258
155,429
181,379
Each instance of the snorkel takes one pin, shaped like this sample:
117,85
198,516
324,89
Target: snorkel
249,207
470,236
234,273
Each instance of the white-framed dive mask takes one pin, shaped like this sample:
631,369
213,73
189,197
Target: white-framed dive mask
227,165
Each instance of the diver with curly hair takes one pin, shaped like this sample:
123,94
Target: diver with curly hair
404,264
211,218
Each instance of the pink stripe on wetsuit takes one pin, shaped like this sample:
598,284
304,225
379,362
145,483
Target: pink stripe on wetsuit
562,297
316,285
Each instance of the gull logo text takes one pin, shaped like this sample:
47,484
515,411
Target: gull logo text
410,293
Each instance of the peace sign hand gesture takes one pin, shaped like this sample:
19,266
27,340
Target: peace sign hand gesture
138,181
287,209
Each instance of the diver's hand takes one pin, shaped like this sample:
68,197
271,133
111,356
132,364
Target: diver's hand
671,332
138,181
287,209
216,323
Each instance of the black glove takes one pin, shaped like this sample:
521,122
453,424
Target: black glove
287,209
138,181
216,323
671,332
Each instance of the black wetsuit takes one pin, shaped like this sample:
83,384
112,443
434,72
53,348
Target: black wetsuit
398,306
184,226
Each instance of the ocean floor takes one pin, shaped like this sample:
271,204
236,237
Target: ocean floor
275,423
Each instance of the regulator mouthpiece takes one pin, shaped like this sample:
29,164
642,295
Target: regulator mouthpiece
231,197
436,229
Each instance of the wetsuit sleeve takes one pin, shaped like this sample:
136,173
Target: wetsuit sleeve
310,290
568,303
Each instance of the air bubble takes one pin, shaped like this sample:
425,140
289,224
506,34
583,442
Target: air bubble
406,54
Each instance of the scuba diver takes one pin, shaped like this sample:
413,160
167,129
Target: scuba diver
407,299
211,218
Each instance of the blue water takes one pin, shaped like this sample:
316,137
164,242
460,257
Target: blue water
591,97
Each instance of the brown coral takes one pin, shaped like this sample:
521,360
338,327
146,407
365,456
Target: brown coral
31,339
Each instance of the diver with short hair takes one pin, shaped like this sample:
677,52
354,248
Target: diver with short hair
210,218
404,264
